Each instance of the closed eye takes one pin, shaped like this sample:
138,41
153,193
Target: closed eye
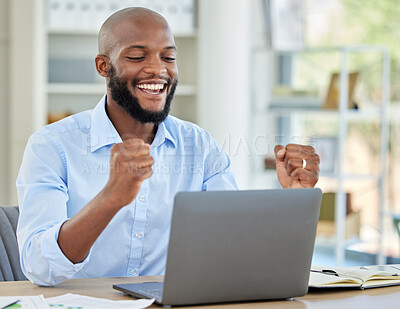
135,58
169,59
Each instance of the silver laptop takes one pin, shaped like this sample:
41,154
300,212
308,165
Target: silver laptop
228,246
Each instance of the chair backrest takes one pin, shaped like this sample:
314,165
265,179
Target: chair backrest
10,267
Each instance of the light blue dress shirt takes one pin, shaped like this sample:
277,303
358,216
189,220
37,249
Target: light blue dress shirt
66,164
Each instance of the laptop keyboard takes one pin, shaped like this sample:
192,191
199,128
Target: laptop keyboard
154,293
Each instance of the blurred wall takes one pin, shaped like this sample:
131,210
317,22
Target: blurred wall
224,100
27,60
4,100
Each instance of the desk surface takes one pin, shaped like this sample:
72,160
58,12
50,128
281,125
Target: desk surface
387,297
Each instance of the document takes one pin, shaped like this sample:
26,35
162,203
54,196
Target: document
86,302
363,277
24,302
71,301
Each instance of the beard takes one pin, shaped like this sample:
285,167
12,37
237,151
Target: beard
121,94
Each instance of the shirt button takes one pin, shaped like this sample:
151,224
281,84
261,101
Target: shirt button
138,235
141,198
133,272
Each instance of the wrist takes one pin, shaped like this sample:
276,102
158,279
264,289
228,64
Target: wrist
109,197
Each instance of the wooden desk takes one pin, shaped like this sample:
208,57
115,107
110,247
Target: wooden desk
374,298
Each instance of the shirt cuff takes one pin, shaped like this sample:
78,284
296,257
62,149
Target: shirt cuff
59,264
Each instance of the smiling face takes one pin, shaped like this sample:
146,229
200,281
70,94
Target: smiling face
122,96
142,65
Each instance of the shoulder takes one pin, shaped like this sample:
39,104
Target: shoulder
68,132
77,123
179,128
190,137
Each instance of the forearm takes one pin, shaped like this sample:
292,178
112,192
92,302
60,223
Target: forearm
78,234
52,252
131,164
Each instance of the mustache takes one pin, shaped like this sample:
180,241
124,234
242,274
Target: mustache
135,81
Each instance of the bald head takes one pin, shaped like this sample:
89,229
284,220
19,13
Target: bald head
138,17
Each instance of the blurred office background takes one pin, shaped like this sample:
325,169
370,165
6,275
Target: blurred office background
252,72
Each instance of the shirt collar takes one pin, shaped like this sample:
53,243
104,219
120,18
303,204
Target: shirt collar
163,134
103,132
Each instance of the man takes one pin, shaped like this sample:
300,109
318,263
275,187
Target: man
96,189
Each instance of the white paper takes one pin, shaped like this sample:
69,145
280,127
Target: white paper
25,302
87,302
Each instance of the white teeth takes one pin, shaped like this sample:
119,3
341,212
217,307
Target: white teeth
151,86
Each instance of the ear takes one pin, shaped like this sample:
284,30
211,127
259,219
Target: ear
102,65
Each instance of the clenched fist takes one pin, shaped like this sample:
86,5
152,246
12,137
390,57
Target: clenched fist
130,165
297,166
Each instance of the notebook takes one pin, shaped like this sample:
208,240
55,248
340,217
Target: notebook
229,246
359,277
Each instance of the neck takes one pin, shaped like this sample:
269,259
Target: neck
126,126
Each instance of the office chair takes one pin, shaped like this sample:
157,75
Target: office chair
10,268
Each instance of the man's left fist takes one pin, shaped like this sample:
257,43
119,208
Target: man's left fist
297,166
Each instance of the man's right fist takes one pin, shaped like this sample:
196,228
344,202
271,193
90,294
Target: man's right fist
130,165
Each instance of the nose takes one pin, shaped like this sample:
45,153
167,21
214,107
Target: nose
155,66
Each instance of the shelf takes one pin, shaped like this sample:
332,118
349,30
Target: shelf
89,89
94,32
67,88
300,115
330,241
368,113
303,102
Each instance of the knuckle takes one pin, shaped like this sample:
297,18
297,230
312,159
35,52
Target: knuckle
115,148
309,149
116,156
147,148
132,141
315,157
292,146
292,152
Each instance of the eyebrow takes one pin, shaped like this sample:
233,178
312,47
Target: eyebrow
144,47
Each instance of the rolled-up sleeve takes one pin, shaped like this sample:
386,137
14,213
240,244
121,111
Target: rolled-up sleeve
42,197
